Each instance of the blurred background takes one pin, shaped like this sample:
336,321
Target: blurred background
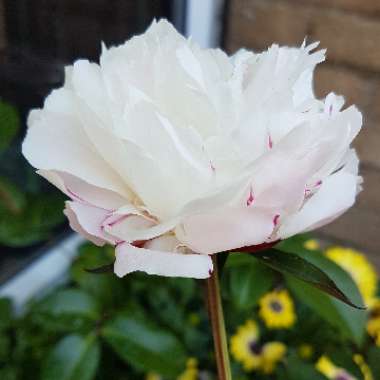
38,38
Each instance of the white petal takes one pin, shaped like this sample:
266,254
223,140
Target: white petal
57,142
139,228
77,227
91,220
130,259
335,196
82,191
225,229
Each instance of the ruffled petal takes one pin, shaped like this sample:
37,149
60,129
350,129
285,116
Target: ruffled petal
91,220
57,142
77,227
335,196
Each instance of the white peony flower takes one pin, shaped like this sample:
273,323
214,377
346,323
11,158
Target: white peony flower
171,152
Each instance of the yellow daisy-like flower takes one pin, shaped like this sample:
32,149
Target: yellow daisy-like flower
305,351
364,368
311,245
244,345
373,329
191,372
360,269
277,310
272,353
246,349
331,371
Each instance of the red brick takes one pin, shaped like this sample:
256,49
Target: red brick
355,88
368,143
359,228
350,39
369,198
258,24
350,5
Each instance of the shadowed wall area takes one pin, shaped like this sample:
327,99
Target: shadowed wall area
350,30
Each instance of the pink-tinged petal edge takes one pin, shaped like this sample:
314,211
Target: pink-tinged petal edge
77,227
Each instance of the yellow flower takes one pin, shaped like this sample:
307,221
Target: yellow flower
360,269
277,310
244,345
364,368
373,329
305,351
272,353
311,245
373,323
331,371
191,372
246,349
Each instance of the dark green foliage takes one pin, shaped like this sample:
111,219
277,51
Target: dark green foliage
102,327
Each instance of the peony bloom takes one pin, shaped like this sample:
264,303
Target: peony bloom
171,152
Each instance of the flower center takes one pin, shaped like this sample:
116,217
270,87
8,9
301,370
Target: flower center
276,306
255,348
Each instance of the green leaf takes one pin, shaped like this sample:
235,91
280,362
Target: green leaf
144,345
72,302
348,321
374,359
297,369
9,124
40,215
106,288
12,200
5,344
9,373
248,281
73,358
6,313
314,270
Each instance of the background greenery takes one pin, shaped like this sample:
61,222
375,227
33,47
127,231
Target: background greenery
101,327
30,209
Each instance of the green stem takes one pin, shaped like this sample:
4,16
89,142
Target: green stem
215,311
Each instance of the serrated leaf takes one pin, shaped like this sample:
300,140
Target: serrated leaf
308,270
9,124
73,358
248,281
144,345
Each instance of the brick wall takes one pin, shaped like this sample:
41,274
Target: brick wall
350,30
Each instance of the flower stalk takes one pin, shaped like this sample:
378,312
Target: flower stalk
215,310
